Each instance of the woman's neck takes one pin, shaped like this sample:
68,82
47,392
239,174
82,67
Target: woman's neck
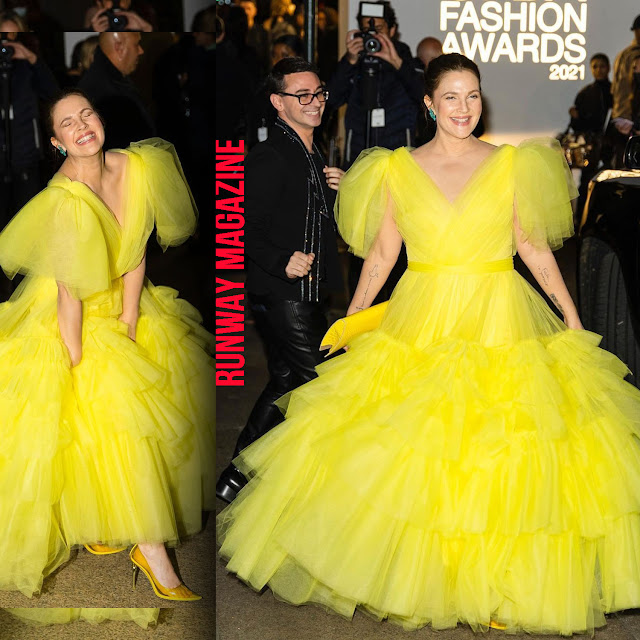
448,145
87,170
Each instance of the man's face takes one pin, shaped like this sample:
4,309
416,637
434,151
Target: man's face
249,8
636,35
380,26
289,108
131,51
599,69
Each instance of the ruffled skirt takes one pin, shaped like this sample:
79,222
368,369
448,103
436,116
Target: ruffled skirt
118,449
467,462
48,616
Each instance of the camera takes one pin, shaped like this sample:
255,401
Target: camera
6,50
116,21
370,41
369,11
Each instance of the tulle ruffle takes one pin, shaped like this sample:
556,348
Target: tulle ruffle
118,449
143,617
461,480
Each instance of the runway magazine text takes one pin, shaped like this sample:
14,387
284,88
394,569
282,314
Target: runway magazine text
229,257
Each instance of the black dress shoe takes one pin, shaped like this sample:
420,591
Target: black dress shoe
230,483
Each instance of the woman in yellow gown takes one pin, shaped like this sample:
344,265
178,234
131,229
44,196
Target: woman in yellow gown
105,384
473,459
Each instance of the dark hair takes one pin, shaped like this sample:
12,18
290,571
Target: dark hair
600,56
204,20
293,42
389,14
275,80
61,95
442,65
438,68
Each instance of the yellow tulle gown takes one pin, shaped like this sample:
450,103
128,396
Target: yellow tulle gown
472,459
47,616
119,448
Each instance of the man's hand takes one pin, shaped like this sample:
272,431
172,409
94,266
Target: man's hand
100,22
136,23
22,53
333,176
388,51
354,46
623,125
299,264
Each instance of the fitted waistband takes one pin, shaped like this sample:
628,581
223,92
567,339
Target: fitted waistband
467,269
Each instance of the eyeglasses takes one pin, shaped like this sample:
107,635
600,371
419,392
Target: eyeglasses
307,98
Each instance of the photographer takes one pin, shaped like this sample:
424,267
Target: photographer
115,15
115,96
28,81
382,89
24,81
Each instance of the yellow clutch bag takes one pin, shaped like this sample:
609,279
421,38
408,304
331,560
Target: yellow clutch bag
343,331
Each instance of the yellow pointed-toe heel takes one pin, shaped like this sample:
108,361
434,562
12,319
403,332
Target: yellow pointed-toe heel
181,592
497,625
102,549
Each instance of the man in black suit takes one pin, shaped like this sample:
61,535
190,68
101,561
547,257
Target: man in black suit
112,92
291,246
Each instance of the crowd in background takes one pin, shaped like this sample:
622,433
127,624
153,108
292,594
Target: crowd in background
252,35
143,84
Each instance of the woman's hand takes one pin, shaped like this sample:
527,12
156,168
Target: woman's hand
132,322
333,176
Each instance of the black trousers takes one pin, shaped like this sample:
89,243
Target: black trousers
291,333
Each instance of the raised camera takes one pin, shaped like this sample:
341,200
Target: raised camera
370,41
6,50
117,22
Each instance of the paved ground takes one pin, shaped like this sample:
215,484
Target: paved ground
246,615
105,581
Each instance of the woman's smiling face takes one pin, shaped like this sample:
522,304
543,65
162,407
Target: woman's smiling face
77,127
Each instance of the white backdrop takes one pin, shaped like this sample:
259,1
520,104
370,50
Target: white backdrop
521,99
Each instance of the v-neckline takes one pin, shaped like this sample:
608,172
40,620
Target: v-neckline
112,215
466,185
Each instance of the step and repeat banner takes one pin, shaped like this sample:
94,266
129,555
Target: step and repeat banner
533,56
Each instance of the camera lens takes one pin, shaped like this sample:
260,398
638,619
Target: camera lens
372,45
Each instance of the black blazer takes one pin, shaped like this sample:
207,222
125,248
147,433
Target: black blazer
275,210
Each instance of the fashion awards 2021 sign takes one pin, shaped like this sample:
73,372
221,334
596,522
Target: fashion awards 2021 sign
546,33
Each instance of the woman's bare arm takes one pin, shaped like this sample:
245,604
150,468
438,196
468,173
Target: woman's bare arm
70,323
378,265
133,281
544,268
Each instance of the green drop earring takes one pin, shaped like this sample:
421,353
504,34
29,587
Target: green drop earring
61,150
432,113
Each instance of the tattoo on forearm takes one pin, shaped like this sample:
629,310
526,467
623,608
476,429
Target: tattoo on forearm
555,301
544,274
372,274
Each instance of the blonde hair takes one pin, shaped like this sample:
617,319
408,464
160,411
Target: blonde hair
8,15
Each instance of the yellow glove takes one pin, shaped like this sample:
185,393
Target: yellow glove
343,331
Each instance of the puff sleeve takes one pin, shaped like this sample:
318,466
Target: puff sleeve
362,200
544,188
168,197
57,235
